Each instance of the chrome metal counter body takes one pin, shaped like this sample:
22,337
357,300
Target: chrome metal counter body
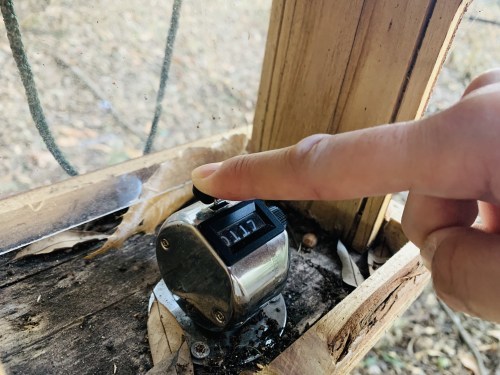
217,295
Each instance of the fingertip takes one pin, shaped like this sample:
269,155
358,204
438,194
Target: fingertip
201,176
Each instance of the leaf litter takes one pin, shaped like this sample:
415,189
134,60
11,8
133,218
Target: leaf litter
350,271
63,240
154,209
173,177
169,348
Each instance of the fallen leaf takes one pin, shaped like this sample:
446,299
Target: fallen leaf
434,353
488,347
469,362
495,333
146,215
164,332
63,240
377,257
173,177
350,271
178,363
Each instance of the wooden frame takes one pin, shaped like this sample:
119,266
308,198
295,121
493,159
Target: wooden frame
332,66
341,338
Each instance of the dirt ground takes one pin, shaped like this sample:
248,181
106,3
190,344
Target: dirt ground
97,68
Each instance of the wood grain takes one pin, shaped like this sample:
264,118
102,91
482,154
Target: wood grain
343,336
337,66
77,316
78,183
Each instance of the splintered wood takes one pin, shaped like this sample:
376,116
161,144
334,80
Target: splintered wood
343,336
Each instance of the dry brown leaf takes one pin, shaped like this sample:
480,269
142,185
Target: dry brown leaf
488,347
178,363
469,362
495,333
172,176
434,353
63,240
350,271
164,333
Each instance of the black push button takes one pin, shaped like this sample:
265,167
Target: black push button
205,198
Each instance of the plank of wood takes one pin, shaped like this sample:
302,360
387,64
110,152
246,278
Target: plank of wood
341,338
91,315
113,336
35,196
436,41
93,195
336,66
45,303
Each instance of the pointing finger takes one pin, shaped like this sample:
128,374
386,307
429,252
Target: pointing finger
433,156
342,166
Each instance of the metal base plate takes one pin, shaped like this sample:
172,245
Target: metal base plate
242,345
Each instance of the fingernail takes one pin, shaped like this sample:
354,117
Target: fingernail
204,171
427,252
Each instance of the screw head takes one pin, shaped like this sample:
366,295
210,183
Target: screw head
200,350
219,316
164,244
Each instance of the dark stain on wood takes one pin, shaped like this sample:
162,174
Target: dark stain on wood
62,314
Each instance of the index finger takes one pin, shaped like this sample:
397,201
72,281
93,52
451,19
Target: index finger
433,156
319,167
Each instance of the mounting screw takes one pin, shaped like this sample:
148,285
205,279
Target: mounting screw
200,350
219,316
164,244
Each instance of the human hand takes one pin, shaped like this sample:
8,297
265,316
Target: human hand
449,162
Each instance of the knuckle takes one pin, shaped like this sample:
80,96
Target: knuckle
301,158
443,267
406,224
487,78
410,224
240,166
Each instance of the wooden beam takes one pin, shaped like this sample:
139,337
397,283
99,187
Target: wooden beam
83,198
341,338
337,66
73,184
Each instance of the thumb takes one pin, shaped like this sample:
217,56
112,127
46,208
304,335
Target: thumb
465,265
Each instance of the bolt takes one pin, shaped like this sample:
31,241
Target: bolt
219,316
164,244
200,350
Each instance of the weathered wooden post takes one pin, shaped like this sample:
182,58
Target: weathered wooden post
336,66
